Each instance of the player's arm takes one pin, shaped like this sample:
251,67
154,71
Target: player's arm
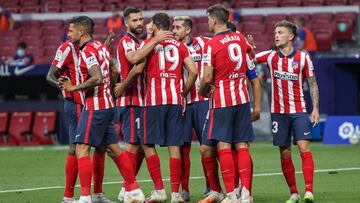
314,89
205,83
314,92
190,66
114,74
52,76
133,74
256,87
135,57
94,80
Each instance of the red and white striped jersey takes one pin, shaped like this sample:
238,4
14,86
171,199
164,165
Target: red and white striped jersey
96,53
134,95
164,73
196,47
229,54
67,60
287,77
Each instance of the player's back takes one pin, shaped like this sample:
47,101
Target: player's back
165,73
228,53
96,53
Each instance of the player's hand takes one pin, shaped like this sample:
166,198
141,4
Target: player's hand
109,39
119,89
163,35
255,115
251,40
315,117
183,105
65,84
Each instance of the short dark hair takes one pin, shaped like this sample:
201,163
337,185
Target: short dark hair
84,21
187,21
288,25
161,21
231,26
300,19
129,10
219,12
115,4
22,44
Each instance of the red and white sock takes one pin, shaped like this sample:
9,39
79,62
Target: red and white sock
126,169
308,170
288,170
71,172
185,158
153,165
245,168
98,163
227,169
85,174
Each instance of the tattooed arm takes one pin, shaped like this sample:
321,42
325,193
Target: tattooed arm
94,80
314,91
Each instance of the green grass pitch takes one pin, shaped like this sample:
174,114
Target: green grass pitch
36,175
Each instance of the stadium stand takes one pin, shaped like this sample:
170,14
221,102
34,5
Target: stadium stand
4,124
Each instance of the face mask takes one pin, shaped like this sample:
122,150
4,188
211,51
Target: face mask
115,13
0,10
20,52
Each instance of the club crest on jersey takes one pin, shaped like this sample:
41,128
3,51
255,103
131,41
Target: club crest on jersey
285,75
295,65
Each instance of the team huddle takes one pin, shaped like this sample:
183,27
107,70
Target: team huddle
163,88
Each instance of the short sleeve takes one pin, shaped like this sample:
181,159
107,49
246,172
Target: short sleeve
128,45
308,67
262,56
89,57
207,56
62,55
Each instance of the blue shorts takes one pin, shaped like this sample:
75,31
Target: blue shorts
162,125
284,124
229,124
96,128
72,112
129,118
195,116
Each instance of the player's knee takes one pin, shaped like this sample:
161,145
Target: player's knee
82,150
206,151
132,148
285,152
72,149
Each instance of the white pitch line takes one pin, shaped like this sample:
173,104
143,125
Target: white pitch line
167,179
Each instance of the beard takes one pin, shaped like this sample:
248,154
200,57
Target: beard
137,31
